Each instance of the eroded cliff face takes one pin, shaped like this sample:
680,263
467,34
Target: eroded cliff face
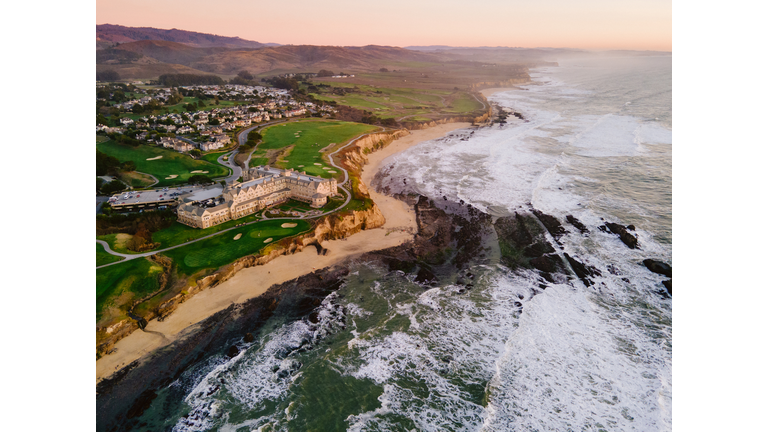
331,227
354,157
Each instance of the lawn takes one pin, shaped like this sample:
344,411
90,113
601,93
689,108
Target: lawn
224,249
136,179
117,242
171,163
179,233
307,139
212,157
125,282
102,257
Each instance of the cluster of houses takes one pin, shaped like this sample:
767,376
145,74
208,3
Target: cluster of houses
207,130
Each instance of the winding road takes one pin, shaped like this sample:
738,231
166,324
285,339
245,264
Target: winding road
242,137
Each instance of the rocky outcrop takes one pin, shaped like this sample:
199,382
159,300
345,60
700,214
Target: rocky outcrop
621,230
577,223
658,267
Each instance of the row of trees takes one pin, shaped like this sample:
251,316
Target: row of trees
177,80
110,165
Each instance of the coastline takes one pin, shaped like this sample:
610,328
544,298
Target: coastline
491,91
398,229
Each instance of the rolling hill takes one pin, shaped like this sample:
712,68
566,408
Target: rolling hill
110,33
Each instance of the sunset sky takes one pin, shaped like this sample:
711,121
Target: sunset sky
588,24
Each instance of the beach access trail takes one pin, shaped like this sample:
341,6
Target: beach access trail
253,281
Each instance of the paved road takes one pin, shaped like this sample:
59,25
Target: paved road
100,200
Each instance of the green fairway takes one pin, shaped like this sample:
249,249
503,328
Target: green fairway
212,157
127,281
179,233
307,139
224,249
171,163
102,257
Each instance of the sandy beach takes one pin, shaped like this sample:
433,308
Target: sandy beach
490,91
254,281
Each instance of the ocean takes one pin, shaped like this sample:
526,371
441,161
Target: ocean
384,353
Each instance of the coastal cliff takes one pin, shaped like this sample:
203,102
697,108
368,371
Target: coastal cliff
331,227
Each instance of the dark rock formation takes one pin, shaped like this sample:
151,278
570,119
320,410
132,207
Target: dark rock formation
233,351
249,338
547,263
658,267
582,270
668,285
425,276
628,239
551,224
576,223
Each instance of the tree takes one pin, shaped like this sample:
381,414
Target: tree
100,119
105,164
195,152
112,187
199,179
129,166
214,122
107,75
383,70
244,74
324,73
99,183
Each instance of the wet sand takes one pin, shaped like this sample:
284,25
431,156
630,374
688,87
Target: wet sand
254,281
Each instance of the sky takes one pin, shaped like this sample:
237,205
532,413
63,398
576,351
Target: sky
586,24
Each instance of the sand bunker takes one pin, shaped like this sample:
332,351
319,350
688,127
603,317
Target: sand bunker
199,171
326,168
332,172
237,237
301,166
268,240
155,158
288,225
172,176
318,164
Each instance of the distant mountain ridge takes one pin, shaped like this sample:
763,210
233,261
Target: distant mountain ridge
122,34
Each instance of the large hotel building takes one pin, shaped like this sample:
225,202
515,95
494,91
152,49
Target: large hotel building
261,187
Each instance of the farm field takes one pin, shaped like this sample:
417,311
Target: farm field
297,145
397,102
171,162
223,249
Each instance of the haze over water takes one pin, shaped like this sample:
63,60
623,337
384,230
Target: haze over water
386,354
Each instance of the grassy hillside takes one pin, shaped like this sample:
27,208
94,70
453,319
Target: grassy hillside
119,284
